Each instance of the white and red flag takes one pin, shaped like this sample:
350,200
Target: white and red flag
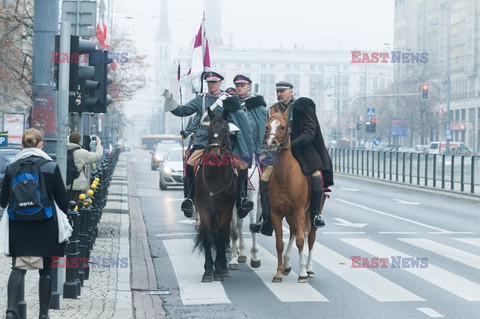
200,59
103,34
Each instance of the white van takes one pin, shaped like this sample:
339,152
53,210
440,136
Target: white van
456,148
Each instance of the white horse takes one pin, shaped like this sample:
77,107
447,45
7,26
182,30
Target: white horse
236,226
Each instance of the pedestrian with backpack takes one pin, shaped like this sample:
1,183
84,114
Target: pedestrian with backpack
31,186
77,178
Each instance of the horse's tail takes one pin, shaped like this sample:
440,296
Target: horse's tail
207,231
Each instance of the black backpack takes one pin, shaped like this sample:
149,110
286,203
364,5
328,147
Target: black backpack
28,199
72,171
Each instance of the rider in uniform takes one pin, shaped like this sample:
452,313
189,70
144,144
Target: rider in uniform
217,101
308,148
256,109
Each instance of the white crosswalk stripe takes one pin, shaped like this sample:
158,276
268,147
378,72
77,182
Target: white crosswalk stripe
289,290
470,241
442,278
446,251
189,270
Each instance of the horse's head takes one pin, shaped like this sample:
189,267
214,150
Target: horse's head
277,135
218,131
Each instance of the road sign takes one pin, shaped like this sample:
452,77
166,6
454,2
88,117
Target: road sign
399,127
88,16
377,141
371,111
448,134
351,126
4,139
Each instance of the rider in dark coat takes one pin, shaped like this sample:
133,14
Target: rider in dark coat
308,146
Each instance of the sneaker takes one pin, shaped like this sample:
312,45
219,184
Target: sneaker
187,207
318,221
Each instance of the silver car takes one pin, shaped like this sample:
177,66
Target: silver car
171,169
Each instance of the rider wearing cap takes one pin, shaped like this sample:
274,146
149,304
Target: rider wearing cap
256,109
217,101
300,141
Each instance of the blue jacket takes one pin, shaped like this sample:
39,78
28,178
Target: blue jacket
257,113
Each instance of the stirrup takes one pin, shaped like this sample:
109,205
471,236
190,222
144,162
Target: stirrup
188,208
318,221
245,207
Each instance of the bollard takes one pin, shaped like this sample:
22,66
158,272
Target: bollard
71,287
83,237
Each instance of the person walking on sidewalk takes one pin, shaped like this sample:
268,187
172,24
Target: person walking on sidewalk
33,238
81,157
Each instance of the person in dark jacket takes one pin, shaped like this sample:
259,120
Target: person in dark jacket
30,238
308,147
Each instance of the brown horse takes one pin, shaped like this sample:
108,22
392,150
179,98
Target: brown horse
215,196
289,197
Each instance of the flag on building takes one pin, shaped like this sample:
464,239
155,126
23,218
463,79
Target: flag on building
200,59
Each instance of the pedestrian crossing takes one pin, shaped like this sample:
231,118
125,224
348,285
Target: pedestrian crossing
374,283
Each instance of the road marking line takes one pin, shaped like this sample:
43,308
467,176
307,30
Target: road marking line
445,251
343,232
289,290
188,267
393,216
451,233
404,202
343,222
471,241
440,277
145,160
364,279
174,234
133,160
430,312
398,232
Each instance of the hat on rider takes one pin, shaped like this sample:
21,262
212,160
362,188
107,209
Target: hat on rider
212,77
230,91
284,85
242,79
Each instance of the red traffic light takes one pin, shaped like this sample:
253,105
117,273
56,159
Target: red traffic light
374,121
424,86
424,95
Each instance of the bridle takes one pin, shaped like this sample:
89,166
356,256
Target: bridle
282,144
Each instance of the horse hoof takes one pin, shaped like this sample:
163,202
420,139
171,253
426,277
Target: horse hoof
311,274
302,279
228,250
255,263
287,271
217,277
277,279
233,266
242,259
206,278
225,273
197,227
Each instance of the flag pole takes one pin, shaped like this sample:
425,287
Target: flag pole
181,103
203,50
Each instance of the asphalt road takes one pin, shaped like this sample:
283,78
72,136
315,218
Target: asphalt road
365,220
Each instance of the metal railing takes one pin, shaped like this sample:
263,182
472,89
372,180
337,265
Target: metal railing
449,172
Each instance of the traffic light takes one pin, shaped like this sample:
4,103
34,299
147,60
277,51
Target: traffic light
424,91
81,76
359,126
368,127
100,60
373,126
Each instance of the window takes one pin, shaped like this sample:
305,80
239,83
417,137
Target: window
272,66
312,67
287,66
263,66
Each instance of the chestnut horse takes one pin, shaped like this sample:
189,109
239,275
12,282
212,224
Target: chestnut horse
289,196
215,196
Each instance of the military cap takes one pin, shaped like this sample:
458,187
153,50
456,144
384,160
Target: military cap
212,77
242,79
230,90
284,85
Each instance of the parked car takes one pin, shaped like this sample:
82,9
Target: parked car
158,154
6,157
171,169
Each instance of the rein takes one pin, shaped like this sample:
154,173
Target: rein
281,145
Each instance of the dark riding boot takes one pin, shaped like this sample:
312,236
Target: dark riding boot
188,207
45,295
244,204
15,285
316,202
265,225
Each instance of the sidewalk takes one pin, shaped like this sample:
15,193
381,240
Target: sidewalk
108,291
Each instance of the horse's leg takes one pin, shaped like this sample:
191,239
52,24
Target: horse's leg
311,241
220,256
277,226
233,238
208,266
197,219
288,254
300,240
255,260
